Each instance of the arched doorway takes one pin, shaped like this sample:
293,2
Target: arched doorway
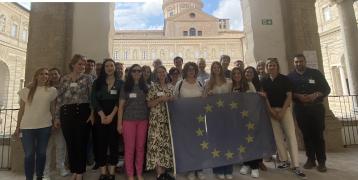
4,84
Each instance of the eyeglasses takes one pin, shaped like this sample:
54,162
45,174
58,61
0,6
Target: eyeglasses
136,71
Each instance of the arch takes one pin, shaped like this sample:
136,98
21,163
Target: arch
192,32
2,23
4,84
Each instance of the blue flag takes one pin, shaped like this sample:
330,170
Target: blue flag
220,130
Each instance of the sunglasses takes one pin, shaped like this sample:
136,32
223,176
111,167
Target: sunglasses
136,71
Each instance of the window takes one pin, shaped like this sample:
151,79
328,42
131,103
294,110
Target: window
115,55
200,33
327,15
171,13
192,32
144,55
24,34
2,23
14,30
185,33
192,15
125,55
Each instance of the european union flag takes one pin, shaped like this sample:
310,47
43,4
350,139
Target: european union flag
220,130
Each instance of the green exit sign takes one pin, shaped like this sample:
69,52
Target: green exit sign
267,22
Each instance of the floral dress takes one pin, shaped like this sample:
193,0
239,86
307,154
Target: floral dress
159,148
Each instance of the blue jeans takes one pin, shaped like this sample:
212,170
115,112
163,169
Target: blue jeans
34,142
225,170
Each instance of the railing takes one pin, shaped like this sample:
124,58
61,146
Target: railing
8,119
345,108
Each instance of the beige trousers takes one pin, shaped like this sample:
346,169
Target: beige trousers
285,128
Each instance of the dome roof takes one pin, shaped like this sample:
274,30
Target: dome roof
170,2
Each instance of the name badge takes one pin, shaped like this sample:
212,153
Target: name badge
114,92
311,81
160,94
132,95
73,84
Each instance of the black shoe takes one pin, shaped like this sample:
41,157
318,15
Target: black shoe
310,164
103,177
39,178
165,176
161,177
95,167
111,177
168,176
322,167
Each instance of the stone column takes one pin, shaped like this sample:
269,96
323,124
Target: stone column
349,30
343,80
301,34
264,32
56,32
93,30
50,36
283,28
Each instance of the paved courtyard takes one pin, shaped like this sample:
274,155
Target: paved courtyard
341,166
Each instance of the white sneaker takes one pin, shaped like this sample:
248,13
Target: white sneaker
120,163
46,177
191,175
255,173
244,170
201,175
220,176
229,176
64,172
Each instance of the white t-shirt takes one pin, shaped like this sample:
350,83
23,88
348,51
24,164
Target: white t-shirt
222,89
37,114
252,88
188,90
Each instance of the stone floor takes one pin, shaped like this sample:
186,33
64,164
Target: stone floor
341,166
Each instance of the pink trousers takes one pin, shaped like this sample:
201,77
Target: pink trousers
134,136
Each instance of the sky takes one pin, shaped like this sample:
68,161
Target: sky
148,14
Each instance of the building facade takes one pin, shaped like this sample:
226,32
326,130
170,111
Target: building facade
332,46
188,32
14,22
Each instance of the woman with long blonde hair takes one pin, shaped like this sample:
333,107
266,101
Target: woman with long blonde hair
218,84
35,121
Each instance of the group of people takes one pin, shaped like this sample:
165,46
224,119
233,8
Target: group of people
115,103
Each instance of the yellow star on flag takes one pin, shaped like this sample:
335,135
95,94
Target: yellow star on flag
220,103
199,132
244,114
250,126
233,105
242,149
229,155
204,145
249,139
208,108
200,118
215,153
